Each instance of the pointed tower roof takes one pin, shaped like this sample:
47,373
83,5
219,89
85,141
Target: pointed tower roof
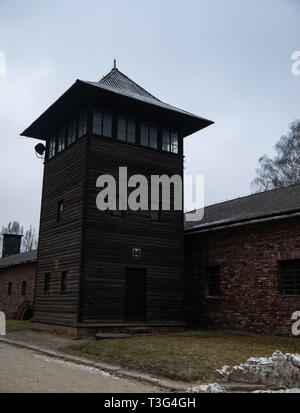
116,82
116,88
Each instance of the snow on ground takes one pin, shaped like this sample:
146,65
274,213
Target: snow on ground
209,388
279,370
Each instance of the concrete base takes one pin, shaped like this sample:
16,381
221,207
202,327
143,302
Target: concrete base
86,330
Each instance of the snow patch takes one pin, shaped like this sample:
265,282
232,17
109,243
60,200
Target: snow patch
73,365
278,370
209,388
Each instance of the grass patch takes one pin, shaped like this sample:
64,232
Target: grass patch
14,325
187,358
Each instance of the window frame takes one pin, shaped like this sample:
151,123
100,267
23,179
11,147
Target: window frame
127,120
167,136
61,139
294,280
60,211
82,128
118,212
208,292
64,283
24,288
10,289
72,131
149,126
47,283
51,148
105,115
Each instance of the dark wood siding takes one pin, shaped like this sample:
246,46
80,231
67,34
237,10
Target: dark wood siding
60,241
110,239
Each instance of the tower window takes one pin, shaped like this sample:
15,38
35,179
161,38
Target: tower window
24,287
155,215
60,210
64,283
213,281
102,123
10,287
118,212
52,148
149,135
126,130
47,283
72,131
170,141
290,277
61,142
82,124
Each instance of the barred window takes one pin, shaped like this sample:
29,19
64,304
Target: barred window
126,130
149,135
213,281
72,131
102,123
290,277
52,148
170,141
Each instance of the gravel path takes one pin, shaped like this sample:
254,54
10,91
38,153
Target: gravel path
24,371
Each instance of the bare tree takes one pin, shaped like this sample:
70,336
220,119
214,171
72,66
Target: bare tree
284,169
30,239
13,228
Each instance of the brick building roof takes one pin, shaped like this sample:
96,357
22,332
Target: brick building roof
265,204
18,259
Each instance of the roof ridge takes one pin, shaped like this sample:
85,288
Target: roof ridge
115,70
248,196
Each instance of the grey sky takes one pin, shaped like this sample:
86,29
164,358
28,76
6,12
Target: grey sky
227,60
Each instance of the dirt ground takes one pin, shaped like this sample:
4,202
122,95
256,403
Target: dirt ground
24,371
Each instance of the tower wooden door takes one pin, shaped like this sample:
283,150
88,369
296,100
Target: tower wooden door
135,294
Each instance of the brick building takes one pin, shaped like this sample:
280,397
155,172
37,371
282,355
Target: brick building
243,263
17,279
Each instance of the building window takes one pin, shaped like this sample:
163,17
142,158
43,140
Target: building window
149,135
72,131
64,283
118,212
155,215
24,287
170,141
213,281
47,283
52,148
126,130
82,123
10,287
61,141
102,123
290,277
60,210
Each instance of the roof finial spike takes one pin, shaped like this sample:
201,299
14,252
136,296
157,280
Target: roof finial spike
115,63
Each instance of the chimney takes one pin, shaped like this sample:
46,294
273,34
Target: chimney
11,244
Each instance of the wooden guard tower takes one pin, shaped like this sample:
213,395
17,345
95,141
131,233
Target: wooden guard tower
108,269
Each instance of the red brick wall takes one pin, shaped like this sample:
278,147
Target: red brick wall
13,305
250,282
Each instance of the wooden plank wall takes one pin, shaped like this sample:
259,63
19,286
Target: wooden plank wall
60,241
110,239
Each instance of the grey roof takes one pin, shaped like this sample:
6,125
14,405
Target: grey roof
18,259
270,203
116,82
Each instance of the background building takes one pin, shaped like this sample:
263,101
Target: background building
243,263
17,279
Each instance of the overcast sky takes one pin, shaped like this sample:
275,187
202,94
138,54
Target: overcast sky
226,60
